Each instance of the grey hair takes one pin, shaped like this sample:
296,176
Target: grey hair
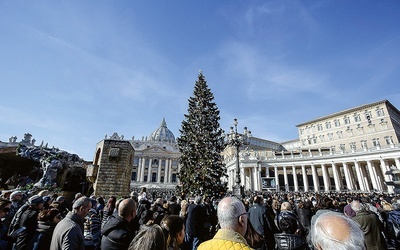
198,199
357,206
228,212
322,239
149,237
81,202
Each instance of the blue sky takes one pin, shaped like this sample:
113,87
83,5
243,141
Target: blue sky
73,71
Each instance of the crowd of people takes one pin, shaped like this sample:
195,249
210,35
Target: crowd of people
157,220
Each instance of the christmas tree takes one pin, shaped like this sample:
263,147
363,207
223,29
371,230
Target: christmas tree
201,143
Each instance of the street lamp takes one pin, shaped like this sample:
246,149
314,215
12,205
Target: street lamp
237,140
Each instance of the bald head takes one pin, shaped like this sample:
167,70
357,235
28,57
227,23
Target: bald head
127,209
335,231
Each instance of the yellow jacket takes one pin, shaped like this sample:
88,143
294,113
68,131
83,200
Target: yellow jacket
225,239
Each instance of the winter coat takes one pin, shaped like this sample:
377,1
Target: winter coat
290,242
42,238
372,229
195,220
225,239
392,229
117,233
91,228
68,233
29,221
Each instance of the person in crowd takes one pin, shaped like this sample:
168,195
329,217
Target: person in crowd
143,194
100,206
392,228
16,199
118,232
286,211
335,231
149,237
173,206
68,233
108,209
184,208
348,211
233,220
174,231
63,205
195,224
91,228
289,239
304,214
258,218
211,220
370,225
276,208
5,207
47,221
29,222
253,238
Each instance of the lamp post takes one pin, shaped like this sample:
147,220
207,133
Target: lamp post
237,140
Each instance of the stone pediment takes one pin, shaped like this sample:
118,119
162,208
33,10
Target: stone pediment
155,150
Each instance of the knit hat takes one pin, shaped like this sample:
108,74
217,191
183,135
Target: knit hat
34,200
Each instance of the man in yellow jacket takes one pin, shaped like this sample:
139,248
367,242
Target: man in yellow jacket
232,218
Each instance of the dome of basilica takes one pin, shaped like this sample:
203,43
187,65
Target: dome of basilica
162,133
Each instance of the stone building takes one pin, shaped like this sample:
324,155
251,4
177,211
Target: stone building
347,150
156,161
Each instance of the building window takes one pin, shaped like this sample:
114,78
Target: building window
301,131
319,127
321,138
136,161
349,131
339,134
314,139
303,142
134,175
309,140
353,145
337,123
342,147
384,125
154,177
162,179
328,125
371,128
364,144
357,118
368,116
346,120
375,142
388,140
330,135
173,178
360,129
307,130
380,112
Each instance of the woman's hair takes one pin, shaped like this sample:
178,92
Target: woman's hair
149,237
49,214
286,206
172,225
253,238
184,206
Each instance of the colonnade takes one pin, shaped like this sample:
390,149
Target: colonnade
160,166
356,173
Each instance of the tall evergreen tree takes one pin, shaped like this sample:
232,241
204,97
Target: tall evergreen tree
201,143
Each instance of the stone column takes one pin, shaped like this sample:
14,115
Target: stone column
159,171
372,175
149,170
277,178
397,161
166,171
143,169
360,177
365,176
349,182
285,177
315,177
325,176
305,178
295,180
338,185
138,169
